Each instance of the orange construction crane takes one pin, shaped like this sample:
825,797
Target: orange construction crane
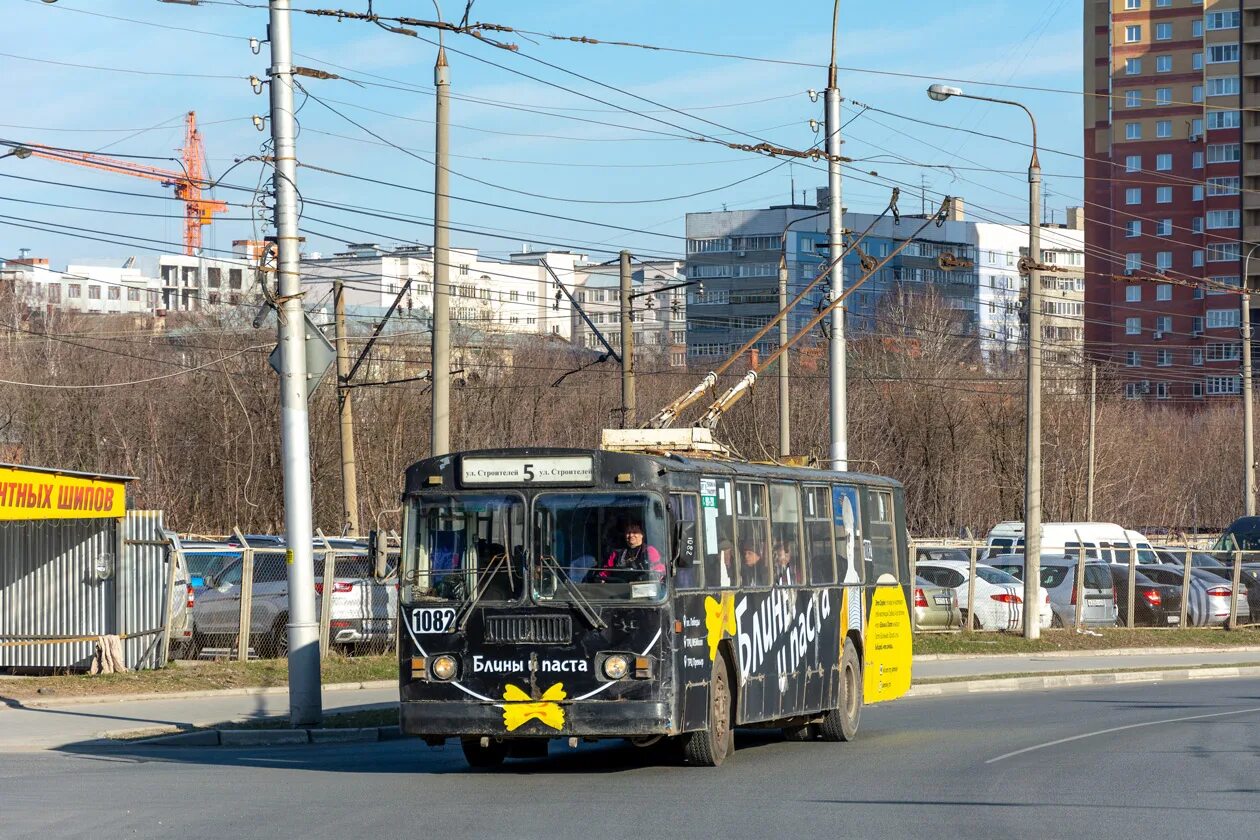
198,211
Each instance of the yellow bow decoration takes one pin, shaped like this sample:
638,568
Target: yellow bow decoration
719,619
521,708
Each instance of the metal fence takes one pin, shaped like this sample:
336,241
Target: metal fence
1083,587
240,606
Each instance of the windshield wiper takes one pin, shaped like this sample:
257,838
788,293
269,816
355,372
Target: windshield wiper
579,600
483,584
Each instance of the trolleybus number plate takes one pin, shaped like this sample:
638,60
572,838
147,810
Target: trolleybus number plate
435,620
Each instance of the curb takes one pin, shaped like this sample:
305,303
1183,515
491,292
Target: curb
1067,654
1052,681
52,700
273,737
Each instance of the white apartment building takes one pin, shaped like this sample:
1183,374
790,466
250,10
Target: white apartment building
82,287
191,283
658,311
514,296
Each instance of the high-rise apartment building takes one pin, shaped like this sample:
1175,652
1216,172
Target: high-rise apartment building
1172,138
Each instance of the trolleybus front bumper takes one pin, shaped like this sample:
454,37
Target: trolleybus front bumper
590,719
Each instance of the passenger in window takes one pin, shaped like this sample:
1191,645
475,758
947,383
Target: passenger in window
785,573
636,557
756,572
726,563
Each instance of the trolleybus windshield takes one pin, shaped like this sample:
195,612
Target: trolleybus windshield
466,546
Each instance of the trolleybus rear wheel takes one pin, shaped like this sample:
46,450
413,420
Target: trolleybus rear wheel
841,724
710,746
483,757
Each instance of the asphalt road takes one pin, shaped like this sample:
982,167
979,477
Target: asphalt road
1173,760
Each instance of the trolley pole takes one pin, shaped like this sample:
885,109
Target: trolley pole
305,702
627,345
345,407
441,352
1093,420
839,449
785,429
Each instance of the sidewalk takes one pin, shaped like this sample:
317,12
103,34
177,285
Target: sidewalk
39,725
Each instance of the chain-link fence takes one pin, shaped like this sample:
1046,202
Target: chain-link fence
239,596
973,586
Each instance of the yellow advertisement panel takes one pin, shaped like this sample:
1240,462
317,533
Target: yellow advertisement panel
27,494
888,647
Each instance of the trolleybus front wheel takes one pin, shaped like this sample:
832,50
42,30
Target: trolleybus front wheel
841,724
710,746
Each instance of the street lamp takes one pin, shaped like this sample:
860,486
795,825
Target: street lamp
838,451
1249,446
1032,481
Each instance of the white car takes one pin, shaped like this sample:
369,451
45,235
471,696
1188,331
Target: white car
999,596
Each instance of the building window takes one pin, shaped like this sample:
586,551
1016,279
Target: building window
1223,119
1164,291
1163,227
114,293
1196,389
1223,385
1196,356
1196,259
1132,4
1133,326
1222,318
1161,390
1133,358
1196,28
1223,20
1224,351
1132,131
1222,53
1133,163
1132,262
1196,60
1133,228
1163,195
1196,128
1133,66
1132,34
1163,128
1222,86
1163,64
1163,261
1217,219
1163,96
1163,162
1163,358
1196,224
94,292
1225,185
74,290
1196,93
1163,32
1223,252
1133,294
1196,160
1224,153
1163,324
1133,195
133,295
1132,98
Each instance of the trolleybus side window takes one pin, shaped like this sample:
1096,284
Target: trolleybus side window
718,534
882,535
463,543
846,515
819,545
785,527
752,553
685,509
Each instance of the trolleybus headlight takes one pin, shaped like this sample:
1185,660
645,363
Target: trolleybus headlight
442,667
616,666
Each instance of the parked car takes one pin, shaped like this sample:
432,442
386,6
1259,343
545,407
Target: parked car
935,607
1243,531
1154,604
1104,541
1248,583
999,596
1208,601
1172,556
362,609
929,553
1058,576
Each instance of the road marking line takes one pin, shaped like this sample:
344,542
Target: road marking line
1117,729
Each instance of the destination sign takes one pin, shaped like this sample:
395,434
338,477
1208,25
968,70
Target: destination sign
564,469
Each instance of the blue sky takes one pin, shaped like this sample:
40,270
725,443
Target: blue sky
568,155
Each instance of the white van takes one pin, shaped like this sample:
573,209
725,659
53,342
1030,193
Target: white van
1102,540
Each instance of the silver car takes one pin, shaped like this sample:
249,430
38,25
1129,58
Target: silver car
1207,604
1058,578
935,607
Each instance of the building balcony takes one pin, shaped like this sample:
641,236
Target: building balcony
1251,167
1251,67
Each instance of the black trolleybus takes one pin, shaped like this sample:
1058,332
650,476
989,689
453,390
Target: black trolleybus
588,594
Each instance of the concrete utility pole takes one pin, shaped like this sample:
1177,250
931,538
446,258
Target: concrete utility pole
785,428
441,353
627,345
345,406
1032,486
305,702
835,237
1089,475
1249,440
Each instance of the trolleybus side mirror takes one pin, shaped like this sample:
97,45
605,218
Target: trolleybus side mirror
376,550
685,544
